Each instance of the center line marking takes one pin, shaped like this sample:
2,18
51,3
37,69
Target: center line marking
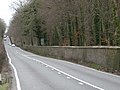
80,83
68,77
52,69
59,73
77,79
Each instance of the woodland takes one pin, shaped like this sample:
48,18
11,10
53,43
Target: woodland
66,23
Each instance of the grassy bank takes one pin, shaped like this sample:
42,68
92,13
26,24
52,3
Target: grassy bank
4,67
4,87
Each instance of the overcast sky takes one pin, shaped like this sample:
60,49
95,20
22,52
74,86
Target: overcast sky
5,10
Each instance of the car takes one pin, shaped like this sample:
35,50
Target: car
13,45
5,39
9,44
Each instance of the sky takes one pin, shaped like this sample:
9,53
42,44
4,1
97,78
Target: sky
5,11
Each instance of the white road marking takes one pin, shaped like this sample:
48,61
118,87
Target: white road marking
82,81
15,72
36,61
52,69
68,77
59,73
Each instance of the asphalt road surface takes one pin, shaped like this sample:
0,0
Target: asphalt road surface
33,72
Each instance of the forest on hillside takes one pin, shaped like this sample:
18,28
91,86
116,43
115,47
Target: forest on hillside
66,23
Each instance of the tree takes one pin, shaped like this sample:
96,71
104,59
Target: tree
67,22
2,27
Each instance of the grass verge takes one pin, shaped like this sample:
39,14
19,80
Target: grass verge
4,87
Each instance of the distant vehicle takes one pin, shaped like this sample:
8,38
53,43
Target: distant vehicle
5,39
9,44
5,36
13,45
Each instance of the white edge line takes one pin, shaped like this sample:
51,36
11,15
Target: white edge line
64,73
15,73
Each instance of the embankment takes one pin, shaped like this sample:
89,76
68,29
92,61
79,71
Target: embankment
5,70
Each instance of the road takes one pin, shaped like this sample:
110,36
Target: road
35,72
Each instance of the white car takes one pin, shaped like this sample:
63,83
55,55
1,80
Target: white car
13,45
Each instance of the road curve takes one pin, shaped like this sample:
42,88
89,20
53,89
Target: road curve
35,72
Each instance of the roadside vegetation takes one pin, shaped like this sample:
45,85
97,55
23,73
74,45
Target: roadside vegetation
2,51
4,87
66,23
4,66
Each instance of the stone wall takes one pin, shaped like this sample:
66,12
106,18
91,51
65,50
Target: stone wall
106,56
